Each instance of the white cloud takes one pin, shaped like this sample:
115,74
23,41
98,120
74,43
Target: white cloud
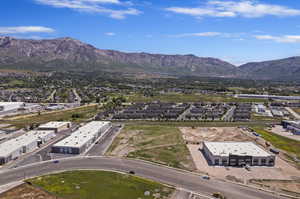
210,34
25,29
110,34
280,39
200,34
244,8
94,6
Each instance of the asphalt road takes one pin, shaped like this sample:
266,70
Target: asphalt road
170,176
100,147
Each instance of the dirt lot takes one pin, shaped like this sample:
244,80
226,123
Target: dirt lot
25,191
213,134
195,137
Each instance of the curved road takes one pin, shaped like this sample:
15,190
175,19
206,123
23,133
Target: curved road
180,179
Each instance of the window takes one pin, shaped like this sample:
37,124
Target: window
263,161
255,162
224,162
216,161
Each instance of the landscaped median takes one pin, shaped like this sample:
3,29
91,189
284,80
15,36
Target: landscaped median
100,185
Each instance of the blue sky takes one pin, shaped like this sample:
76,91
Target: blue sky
237,31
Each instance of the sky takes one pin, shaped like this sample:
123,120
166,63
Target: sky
237,31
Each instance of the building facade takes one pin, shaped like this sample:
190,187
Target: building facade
293,126
55,126
14,148
236,154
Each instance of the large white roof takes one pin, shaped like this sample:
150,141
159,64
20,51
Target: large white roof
82,135
10,146
235,148
54,124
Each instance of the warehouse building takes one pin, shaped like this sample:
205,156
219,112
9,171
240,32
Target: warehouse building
10,106
293,126
237,154
14,148
79,141
55,126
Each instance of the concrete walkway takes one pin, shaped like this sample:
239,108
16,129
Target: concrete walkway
9,186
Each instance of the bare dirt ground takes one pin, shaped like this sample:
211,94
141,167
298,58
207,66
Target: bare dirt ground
195,137
213,134
124,147
25,191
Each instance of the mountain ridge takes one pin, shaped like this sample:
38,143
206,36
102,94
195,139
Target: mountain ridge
68,54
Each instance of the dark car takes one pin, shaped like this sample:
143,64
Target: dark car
56,161
131,172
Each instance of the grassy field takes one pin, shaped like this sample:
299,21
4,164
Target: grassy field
83,113
176,97
280,142
199,124
156,143
100,185
265,118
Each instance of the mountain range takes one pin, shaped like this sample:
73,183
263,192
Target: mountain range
67,54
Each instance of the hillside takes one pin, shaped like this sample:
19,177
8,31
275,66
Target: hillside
283,69
70,54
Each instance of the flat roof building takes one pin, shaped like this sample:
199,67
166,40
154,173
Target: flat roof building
55,126
293,126
237,154
26,143
10,106
79,141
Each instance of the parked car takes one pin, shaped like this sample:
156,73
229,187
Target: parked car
131,172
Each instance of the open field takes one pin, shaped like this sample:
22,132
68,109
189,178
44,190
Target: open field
101,185
26,191
177,97
261,124
213,134
265,118
161,144
194,138
85,112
